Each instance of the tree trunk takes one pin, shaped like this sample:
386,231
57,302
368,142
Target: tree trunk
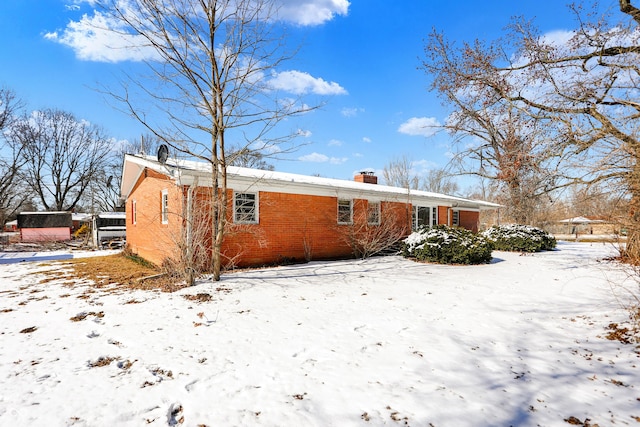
632,249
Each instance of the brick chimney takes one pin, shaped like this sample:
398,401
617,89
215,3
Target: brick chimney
366,177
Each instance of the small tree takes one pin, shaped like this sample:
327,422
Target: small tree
375,229
211,63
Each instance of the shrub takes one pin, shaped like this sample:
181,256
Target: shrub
447,245
519,238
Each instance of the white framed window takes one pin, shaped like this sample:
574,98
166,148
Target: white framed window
455,218
345,211
245,208
164,210
373,213
134,212
424,215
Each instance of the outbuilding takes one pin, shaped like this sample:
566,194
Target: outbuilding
45,226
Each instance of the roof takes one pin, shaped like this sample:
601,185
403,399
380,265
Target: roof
113,215
45,213
581,220
186,172
81,216
44,219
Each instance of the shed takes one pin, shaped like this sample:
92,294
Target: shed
45,226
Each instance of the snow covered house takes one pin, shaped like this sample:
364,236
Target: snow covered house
274,216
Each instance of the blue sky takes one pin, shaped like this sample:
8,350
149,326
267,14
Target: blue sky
361,56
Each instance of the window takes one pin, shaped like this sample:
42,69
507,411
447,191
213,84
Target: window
245,208
455,218
165,207
424,215
345,212
373,213
134,212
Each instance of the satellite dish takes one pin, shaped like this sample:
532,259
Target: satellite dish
163,153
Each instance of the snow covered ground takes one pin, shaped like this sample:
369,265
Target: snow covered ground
384,341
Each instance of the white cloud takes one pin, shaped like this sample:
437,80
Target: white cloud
351,112
335,143
338,160
321,158
312,12
366,139
300,83
314,157
422,167
304,133
558,37
420,126
101,38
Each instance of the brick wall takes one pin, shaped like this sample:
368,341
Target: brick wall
443,215
296,227
292,227
469,220
148,237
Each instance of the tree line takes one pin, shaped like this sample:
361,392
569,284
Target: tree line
51,160
535,114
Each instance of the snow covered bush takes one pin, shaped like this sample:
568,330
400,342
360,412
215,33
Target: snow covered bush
447,245
519,238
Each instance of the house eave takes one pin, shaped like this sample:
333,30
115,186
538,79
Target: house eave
254,180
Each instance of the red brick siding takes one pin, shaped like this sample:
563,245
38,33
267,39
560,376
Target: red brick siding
469,220
443,215
149,238
291,226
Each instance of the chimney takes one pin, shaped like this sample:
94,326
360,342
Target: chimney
366,177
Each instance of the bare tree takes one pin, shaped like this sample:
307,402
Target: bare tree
62,156
212,60
583,88
374,229
12,191
103,194
247,158
440,181
399,173
493,138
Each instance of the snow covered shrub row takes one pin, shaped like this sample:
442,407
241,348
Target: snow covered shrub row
519,238
447,245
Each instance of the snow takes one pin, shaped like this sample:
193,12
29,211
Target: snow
382,341
55,255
